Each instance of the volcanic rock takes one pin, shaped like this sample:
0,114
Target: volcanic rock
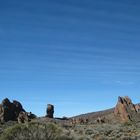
125,110
10,111
50,111
23,117
101,120
79,120
137,107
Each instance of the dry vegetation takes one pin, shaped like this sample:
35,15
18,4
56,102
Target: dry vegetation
43,130
102,125
34,131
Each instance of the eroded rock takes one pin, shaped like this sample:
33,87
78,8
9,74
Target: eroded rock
80,120
101,120
125,110
50,111
137,107
23,117
10,110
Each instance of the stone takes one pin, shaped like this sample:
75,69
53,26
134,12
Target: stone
137,107
31,115
1,114
101,120
125,110
50,111
6,102
17,108
80,120
9,111
23,117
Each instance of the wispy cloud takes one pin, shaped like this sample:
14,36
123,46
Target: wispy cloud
125,82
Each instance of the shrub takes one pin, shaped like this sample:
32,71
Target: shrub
34,131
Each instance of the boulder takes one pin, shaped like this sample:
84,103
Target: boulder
23,117
137,107
125,110
50,111
31,115
101,120
80,120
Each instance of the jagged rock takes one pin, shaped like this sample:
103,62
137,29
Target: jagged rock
6,102
80,120
125,110
1,114
10,111
18,107
23,117
101,120
137,107
7,110
50,111
31,115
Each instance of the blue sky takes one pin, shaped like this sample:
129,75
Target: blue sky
79,55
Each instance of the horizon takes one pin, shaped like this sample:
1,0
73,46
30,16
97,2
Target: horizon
63,115
77,55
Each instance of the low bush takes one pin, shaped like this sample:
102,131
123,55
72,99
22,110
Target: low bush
34,131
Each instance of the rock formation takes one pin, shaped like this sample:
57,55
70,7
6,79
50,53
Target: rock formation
23,117
74,121
137,107
50,111
125,110
101,120
10,111
18,107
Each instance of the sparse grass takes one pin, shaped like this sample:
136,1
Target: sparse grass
51,131
34,131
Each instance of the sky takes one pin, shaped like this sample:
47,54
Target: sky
78,55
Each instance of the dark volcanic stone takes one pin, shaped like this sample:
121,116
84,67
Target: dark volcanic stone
10,111
50,111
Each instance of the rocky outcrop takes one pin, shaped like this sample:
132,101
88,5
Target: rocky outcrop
137,107
23,117
10,110
125,110
74,121
101,120
18,107
50,111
